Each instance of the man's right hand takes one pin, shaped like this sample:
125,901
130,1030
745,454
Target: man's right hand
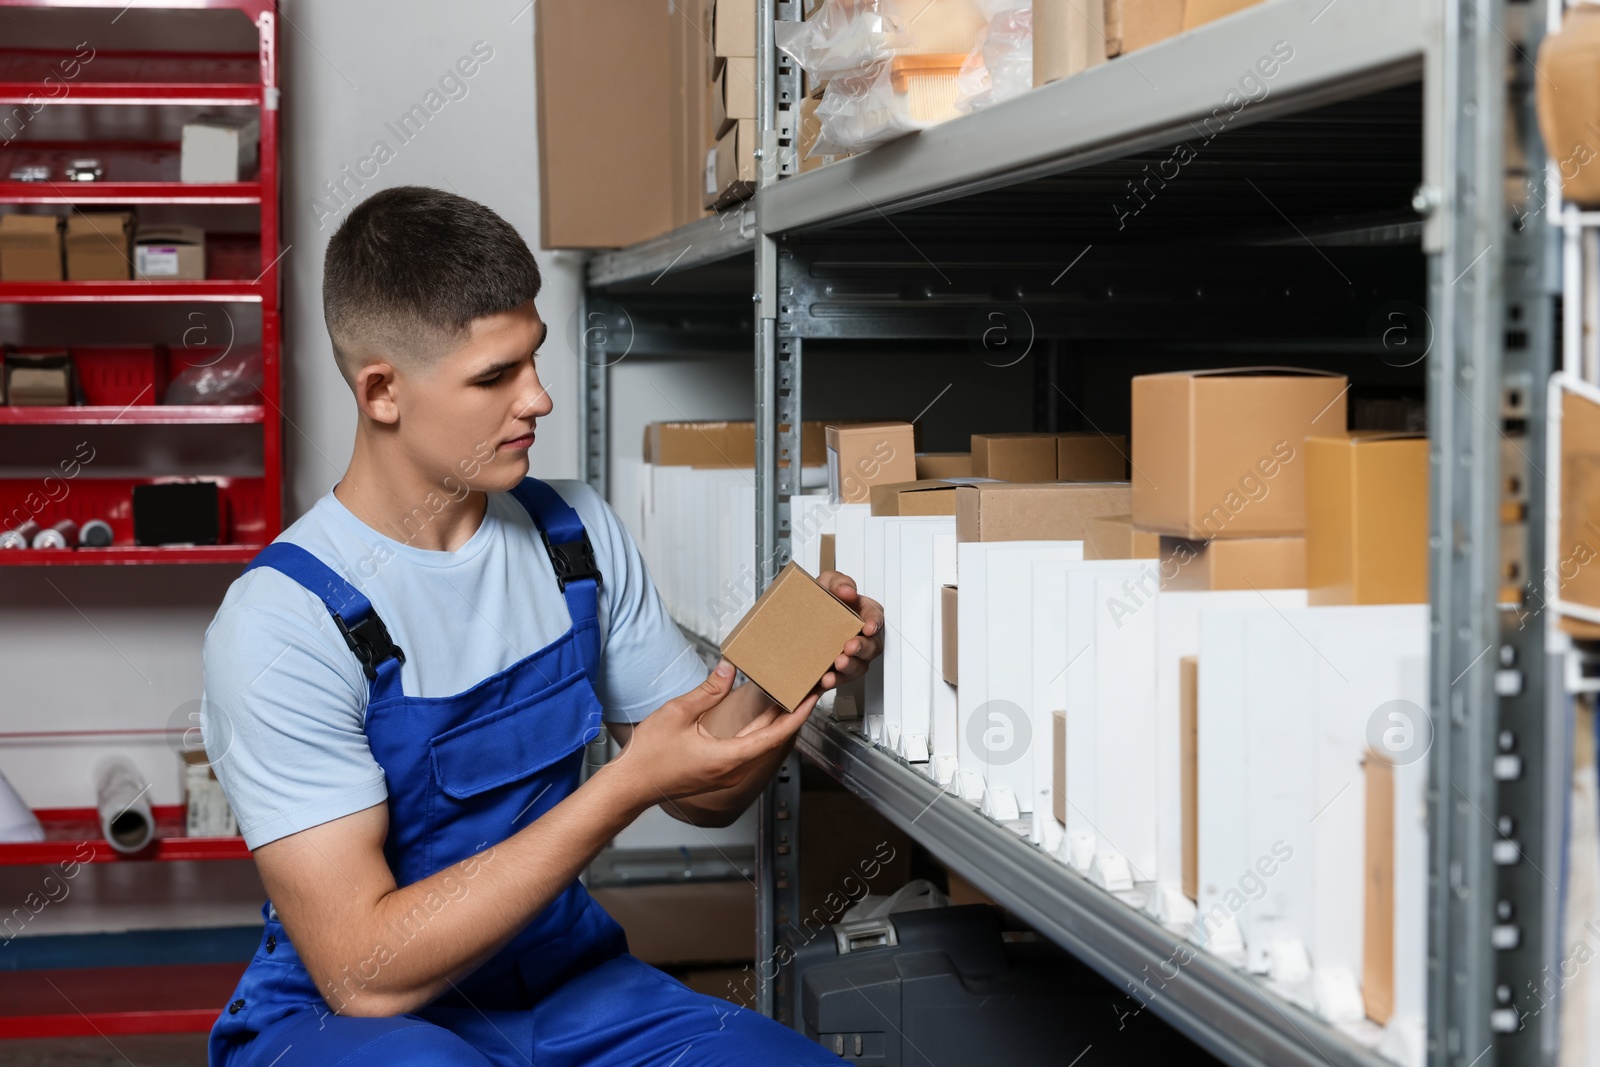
672,753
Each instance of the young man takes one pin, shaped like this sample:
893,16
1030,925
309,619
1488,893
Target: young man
398,692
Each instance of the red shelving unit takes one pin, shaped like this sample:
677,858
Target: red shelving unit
73,835
108,1001
241,268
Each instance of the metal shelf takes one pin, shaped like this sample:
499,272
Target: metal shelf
716,237
1152,97
1229,1013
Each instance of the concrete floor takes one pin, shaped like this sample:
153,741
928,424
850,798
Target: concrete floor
140,1050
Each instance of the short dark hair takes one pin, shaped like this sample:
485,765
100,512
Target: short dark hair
409,270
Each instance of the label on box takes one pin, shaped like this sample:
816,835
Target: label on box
156,260
711,172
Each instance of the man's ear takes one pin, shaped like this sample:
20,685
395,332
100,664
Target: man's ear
375,392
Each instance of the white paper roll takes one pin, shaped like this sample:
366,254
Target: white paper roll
21,537
17,821
123,798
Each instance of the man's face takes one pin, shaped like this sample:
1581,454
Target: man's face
472,420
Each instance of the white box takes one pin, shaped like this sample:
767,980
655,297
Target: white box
1051,662
911,645
994,663
1405,1037
944,713
219,148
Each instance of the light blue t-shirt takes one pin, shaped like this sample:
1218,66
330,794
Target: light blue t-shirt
285,699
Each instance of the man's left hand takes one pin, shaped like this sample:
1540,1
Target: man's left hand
865,646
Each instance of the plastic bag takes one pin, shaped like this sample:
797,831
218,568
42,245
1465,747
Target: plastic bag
233,379
1001,66
843,36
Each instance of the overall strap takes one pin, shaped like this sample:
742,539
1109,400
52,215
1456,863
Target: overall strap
363,630
571,556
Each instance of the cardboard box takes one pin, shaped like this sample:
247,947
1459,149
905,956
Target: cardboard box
734,28
864,454
692,103
1116,537
1057,511
932,496
1219,453
1569,115
169,253
1200,12
217,149
1367,519
206,810
826,556
1239,563
606,124
30,248
735,96
913,547
1091,457
790,638
731,165
949,643
1058,780
1188,770
944,465
698,922
1135,24
1068,36
1377,942
717,443
38,379
1014,457
100,246
1576,562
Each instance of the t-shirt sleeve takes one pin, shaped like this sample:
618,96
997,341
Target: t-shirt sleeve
646,660
282,713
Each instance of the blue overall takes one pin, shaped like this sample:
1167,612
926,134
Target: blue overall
464,773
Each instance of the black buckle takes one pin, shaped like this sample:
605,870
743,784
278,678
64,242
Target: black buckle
369,640
572,560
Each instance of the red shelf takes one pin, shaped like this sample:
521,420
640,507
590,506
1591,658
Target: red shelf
137,415
106,77
117,554
136,173
233,265
73,834
169,998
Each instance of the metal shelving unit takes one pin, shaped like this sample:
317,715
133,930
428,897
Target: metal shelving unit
1383,144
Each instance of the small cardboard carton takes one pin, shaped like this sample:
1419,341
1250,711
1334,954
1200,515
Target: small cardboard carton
1014,457
1200,12
948,639
217,149
1134,24
1116,537
719,444
1377,913
733,97
1068,37
1053,511
1569,102
734,28
1091,457
929,496
30,248
38,378
1577,545
100,246
206,810
1367,519
731,165
1237,563
944,465
169,253
789,639
1220,453
864,454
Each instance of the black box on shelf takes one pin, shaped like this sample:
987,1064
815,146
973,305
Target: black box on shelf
176,513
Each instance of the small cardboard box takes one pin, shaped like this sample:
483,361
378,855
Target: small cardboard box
864,454
731,165
1377,942
1576,563
1058,766
1220,453
1237,563
734,28
169,253
100,246
38,378
1135,24
1200,12
30,248
1055,511
1367,519
206,810
1014,457
219,148
1568,115
714,444
789,639
1091,457
944,465
931,496
1189,770
1068,37
698,922
948,645
1116,537
735,94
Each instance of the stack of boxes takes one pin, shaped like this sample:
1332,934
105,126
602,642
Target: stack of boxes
97,246
730,161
